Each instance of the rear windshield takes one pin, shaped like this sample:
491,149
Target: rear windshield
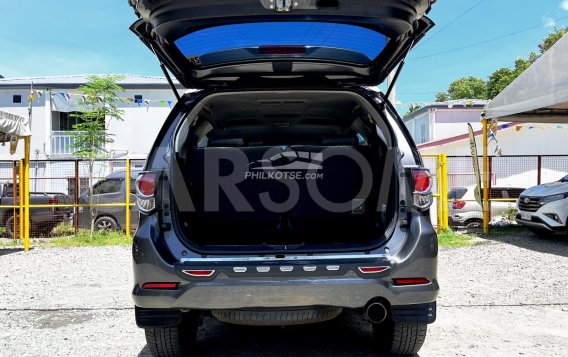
456,193
312,40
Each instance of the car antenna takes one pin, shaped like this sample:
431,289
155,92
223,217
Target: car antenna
168,77
398,70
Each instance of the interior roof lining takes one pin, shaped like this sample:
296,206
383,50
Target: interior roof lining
335,98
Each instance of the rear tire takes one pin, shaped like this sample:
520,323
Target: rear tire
400,338
173,341
10,229
105,224
474,223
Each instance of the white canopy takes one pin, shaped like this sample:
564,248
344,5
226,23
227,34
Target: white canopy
540,94
12,124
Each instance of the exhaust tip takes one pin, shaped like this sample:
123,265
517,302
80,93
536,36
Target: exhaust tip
376,312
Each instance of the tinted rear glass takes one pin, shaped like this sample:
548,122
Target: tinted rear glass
457,193
321,40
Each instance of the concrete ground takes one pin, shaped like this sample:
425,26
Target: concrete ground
502,298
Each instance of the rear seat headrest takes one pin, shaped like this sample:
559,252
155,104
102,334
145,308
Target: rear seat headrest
339,139
226,141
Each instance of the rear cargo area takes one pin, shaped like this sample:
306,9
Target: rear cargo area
284,170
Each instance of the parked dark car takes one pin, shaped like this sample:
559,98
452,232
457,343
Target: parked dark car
284,190
110,190
42,220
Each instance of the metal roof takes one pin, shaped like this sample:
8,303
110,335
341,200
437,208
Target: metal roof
72,82
460,104
540,93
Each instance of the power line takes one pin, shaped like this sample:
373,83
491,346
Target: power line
450,23
484,41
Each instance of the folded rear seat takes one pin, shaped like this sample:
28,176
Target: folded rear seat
229,216
338,179
340,208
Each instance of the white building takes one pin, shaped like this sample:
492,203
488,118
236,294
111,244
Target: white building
148,101
439,121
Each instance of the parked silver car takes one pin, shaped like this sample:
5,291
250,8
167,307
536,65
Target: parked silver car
466,211
544,208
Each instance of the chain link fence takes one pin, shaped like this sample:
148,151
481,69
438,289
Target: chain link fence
509,176
60,203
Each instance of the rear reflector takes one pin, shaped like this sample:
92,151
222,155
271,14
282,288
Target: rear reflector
372,270
458,204
411,281
199,273
160,286
281,50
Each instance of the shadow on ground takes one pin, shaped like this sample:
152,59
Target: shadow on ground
556,244
345,336
5,251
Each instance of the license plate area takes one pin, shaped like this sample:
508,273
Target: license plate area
526,216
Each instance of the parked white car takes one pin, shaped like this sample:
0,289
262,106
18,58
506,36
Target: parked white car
544,208
465,211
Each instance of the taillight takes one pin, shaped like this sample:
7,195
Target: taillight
422,188
458,204
53,201
421,180
146,191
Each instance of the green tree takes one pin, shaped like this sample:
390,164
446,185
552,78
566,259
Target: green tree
468,88
472,87
502,77
551,39
411,109
442,97
98,107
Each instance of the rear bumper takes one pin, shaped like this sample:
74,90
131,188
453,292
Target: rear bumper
335,282
159,318
346,291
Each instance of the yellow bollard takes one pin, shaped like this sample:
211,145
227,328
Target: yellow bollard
438,192
485,123
443,190
127,186
26,195
21,184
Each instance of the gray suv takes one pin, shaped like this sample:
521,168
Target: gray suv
283,190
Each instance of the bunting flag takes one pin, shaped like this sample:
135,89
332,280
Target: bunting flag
126,100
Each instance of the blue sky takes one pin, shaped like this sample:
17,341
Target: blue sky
54,37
